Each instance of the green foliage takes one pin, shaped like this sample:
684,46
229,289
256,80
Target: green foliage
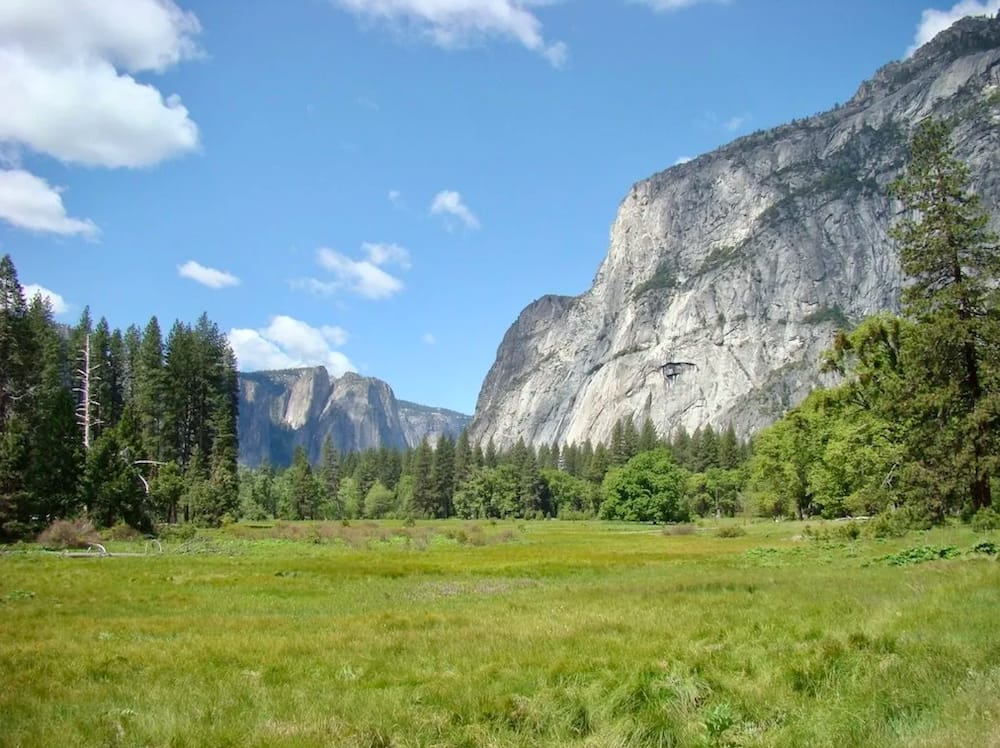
648,488
730,531
833,314
664,279
920,554
986,519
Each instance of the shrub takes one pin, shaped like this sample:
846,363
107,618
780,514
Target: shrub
730,531
182,532
895,524
69,533
985,520
121,531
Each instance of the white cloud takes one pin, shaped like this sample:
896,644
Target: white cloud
381,254
933,22
62,88
131,34
29,202
67,85
207,276
665,6
395,197
362,277
86,113
288,343
682,160
454,24
428,338
59,305
450,203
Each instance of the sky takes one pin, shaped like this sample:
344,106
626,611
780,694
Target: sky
382,185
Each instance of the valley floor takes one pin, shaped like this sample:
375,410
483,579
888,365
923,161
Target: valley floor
507,634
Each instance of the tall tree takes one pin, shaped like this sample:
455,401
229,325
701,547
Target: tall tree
329,475
953,264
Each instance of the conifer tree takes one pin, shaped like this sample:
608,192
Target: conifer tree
953,263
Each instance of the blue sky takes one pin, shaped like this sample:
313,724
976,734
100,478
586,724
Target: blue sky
381,185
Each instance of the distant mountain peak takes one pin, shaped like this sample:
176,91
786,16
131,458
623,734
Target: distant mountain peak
282,409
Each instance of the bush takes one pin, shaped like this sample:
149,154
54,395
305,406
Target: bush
730,531
182,532
895,524
72,533
121,531
986,520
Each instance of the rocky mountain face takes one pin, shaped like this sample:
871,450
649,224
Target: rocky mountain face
280,410
727,276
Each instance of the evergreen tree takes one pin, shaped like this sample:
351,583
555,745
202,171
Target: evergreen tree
329,470
953,264
464,460
443,476
424,496
616,446
648,438
490,457
729,449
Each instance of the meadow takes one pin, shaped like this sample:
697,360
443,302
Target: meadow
509,634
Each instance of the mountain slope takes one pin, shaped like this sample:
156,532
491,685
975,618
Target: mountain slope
280,410
727,275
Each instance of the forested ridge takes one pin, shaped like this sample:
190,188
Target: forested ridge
124,427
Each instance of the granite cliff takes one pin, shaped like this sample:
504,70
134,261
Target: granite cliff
280,410
726,276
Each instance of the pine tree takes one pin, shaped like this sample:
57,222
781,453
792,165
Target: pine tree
463,458
151,392
953,264
423,489
443,476
648,438
329,471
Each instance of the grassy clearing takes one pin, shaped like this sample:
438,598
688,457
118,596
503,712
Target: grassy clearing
531,634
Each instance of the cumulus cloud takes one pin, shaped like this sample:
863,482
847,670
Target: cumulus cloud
289,343
207,276
67,80
933,22
449,203
66,86
381,254
455,24
365,277
362,277
428,338
58,303
29,202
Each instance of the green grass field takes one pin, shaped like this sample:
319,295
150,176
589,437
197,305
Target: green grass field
533,634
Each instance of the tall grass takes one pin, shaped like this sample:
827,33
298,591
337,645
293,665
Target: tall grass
585,634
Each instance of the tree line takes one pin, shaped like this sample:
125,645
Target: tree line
123,426
636,475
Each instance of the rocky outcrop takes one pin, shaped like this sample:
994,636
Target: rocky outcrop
726,276
280,410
